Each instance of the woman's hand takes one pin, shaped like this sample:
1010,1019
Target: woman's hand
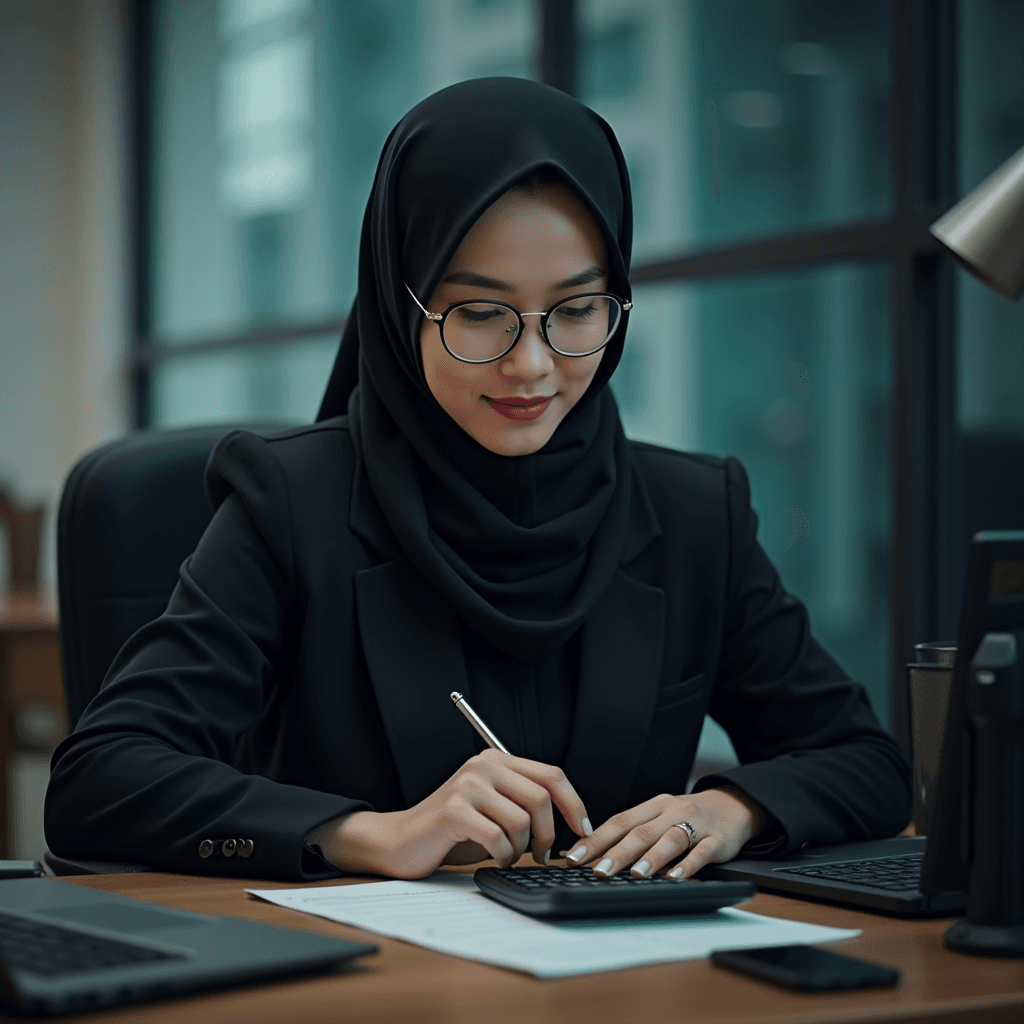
488,808
645,836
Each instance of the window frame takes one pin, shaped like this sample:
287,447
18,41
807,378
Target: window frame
926,565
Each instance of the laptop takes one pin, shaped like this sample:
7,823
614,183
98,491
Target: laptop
884,875
65,948
914,876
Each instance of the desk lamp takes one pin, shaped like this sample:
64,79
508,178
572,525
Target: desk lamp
985,233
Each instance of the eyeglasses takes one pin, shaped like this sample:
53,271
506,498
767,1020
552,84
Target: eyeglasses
481,331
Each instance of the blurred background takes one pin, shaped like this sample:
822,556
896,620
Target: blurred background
183,183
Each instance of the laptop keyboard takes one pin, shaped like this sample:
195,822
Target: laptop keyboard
897,874
38,947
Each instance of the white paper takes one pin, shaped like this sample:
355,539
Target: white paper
448,913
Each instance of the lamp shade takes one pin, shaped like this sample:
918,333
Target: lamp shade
985,230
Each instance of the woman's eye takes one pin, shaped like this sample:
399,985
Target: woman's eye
577,312
480,314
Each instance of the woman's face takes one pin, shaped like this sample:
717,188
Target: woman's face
530,251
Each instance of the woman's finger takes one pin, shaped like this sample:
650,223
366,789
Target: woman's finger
536,801
513,820
614,831
638,843
469,824
674,843
553,779
704,852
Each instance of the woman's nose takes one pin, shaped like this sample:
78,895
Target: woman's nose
531,356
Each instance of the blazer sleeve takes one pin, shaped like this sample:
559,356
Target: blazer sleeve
147,775
811,750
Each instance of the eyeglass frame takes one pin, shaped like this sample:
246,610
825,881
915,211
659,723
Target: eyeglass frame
439,319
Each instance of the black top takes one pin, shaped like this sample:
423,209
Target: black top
297,674
535,696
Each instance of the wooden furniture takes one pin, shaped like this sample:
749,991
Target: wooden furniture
405,983
31,694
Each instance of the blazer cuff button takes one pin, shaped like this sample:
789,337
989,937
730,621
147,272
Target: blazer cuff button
228,847
245,847
205,848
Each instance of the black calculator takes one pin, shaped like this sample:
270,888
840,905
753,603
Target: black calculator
578,892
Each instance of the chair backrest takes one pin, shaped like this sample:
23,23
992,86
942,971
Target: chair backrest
131,512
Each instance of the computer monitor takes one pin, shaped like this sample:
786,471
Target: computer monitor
993,602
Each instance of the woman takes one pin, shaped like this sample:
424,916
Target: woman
467,515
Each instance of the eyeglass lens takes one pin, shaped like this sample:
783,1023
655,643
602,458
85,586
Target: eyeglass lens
481,331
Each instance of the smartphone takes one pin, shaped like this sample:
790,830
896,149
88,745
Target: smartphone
806,967
20,869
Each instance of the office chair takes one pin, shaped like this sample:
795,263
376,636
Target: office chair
131,512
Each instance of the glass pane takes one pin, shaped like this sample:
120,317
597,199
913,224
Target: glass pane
990,328
992,130
741,118
790,372
269,117
279,384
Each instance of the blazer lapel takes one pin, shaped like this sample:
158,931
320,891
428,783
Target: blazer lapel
414,654
620,669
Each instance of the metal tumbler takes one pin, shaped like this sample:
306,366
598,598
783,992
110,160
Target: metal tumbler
929,680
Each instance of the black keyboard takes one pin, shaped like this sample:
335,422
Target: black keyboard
38,947
578,892
895,874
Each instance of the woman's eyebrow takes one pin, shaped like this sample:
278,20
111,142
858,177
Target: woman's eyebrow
476,281
593,273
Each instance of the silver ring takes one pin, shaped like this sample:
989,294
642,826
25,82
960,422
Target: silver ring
691,833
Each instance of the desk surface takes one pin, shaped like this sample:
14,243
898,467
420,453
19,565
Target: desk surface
405,983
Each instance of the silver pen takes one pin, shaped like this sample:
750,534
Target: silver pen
478,723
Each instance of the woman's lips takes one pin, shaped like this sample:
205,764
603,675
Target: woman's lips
522,410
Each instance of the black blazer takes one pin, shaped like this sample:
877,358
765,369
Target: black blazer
297,675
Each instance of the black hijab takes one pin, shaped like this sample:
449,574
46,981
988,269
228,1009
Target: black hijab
522,547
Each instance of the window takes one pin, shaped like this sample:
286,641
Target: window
990,330
748,118
787,157
267,119
992,120
790,372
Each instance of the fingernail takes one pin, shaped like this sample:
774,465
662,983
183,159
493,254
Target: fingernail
578,856
676,873
547,856
641,868
604,867
588,829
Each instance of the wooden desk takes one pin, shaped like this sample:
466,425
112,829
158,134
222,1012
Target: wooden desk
32,715
405,983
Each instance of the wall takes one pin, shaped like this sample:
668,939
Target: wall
63,281
63,324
